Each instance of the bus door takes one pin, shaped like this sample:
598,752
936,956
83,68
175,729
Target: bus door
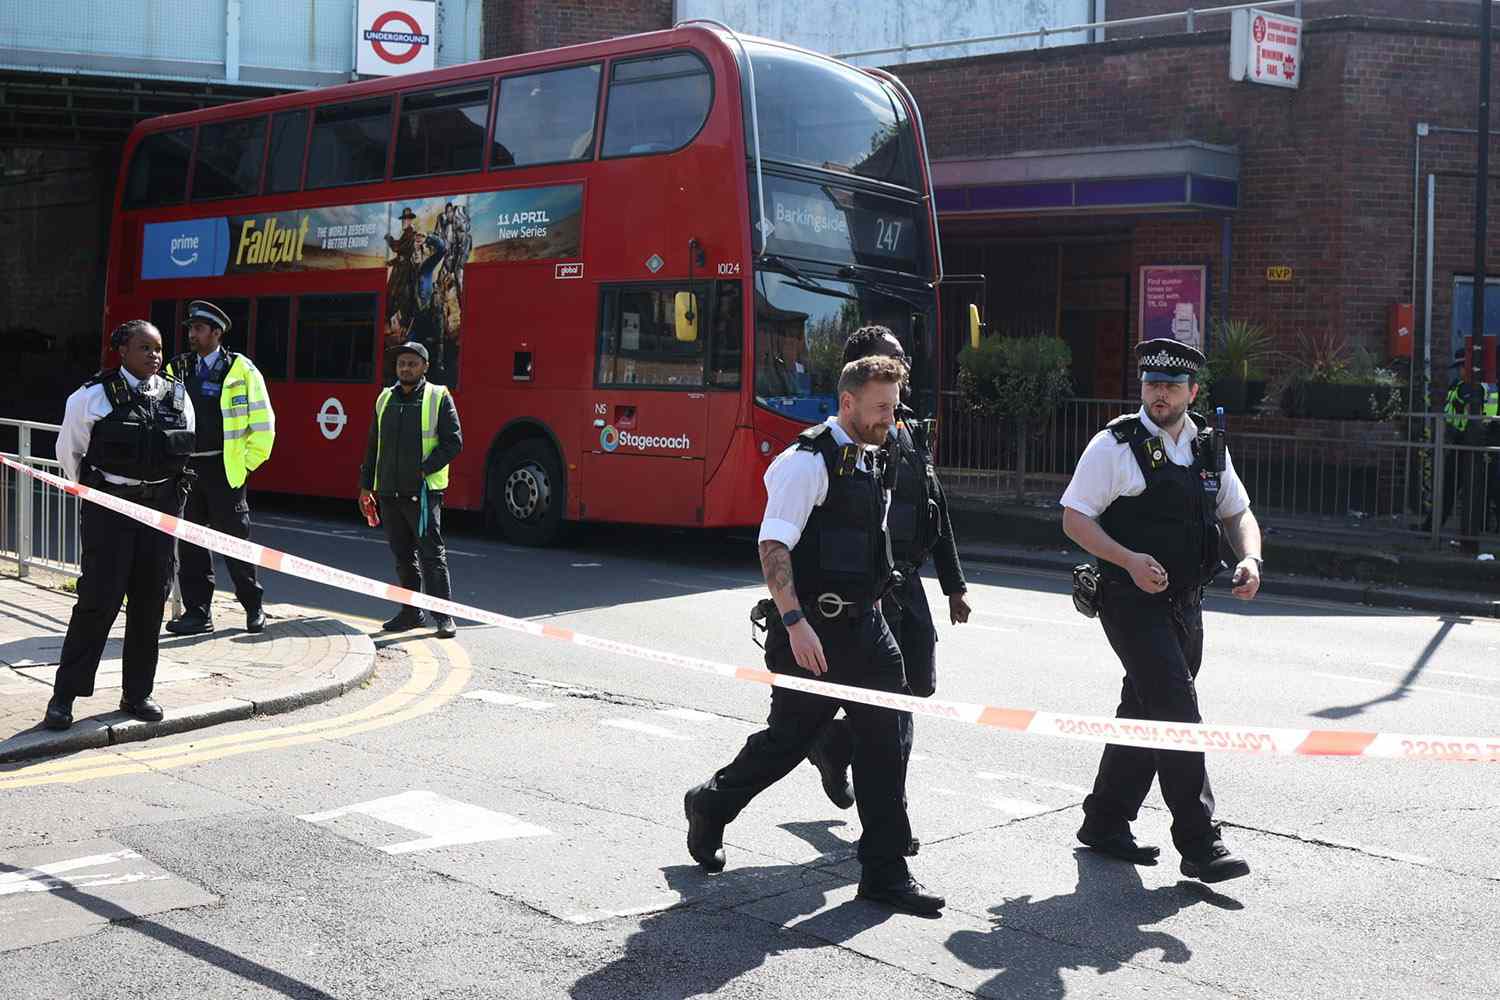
644,443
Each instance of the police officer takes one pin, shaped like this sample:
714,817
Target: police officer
127,431
919,525
414,436
1147,500
826,558
1461,470
236,430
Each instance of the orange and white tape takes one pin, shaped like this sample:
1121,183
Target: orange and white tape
1258,740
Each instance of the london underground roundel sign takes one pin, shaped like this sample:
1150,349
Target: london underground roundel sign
395,36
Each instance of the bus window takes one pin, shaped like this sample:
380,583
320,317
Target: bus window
725,343
638,344
164,318
284,163
441,131
546,117
273,336
159,169
349,142
229,156
336,338
656,105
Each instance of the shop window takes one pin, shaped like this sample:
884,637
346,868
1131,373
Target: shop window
656,105
546,117
336,338
349,143
441,131
638,344
229,159
284,161
159,169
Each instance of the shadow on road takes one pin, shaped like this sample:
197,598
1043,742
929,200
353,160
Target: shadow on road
1402,687
1101,926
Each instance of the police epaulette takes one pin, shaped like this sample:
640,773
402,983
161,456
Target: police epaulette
808,439
1125,427
116,389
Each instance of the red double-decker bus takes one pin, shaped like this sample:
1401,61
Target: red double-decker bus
634,262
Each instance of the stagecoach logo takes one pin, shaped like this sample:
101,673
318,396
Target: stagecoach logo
395,36
611,440
331,418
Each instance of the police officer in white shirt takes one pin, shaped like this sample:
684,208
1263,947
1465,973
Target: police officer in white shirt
827,562
1150,497
128,431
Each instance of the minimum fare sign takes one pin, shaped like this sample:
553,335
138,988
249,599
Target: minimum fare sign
1265,47
395,37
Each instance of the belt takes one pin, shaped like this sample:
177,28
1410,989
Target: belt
126,491
832,606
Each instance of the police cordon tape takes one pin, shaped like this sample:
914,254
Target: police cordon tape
1257,740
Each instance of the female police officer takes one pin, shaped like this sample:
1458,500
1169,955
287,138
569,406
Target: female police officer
1147,500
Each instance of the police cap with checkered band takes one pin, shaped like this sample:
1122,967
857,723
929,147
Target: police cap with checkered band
1165,360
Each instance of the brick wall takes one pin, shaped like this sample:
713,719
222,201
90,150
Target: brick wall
512,26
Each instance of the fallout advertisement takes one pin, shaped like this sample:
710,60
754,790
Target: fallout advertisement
424,244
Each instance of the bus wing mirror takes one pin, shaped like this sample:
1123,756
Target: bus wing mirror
687,317
975,326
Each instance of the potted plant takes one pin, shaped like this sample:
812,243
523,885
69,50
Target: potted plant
1023,379
1236,364
1325,379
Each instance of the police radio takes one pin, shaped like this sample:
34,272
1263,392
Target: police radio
1219,456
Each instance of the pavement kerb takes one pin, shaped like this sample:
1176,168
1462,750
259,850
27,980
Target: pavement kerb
1344,592
353,669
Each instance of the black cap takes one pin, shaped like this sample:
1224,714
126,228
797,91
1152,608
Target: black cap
199,311
1166,360
407,213
412,347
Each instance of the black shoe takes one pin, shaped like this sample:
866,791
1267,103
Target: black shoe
910,896
255,621
1118,844
705,837
191,623
146,710
404,621
835,775
912,847
59,713
445,627
1210,860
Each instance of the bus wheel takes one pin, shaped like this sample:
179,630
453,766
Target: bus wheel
526,493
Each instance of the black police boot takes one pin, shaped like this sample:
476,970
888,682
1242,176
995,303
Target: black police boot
144,709
835,773
1210,860
912,847
705,836
446,629
190,623
1117,843
406,619
904,894
59,713
255,621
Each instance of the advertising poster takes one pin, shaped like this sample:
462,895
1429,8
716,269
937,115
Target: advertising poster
424,244
1173,303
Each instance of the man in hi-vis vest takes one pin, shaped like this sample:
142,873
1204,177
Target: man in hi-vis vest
236,429
414,436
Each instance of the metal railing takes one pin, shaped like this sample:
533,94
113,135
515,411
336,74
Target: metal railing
38,524
1360,477
1188,16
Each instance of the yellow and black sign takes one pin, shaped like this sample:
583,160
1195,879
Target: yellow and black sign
1278,274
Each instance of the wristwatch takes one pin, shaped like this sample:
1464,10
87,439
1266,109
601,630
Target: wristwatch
792,617
1260,564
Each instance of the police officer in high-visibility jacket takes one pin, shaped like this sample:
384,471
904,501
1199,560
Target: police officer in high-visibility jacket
414,436
236,429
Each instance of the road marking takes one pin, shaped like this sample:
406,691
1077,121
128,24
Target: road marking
644,727
587,565
1020,808
1405,687
513,700
675,583
412,699
1492,679
689,714
1061,786
355,536
991,628
595,916
444,822
1027,618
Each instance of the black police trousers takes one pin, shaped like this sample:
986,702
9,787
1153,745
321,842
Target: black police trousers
421,557
216,504
119,558
1160,643
861,652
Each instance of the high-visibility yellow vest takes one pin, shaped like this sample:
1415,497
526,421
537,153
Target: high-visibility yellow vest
432,402
248,420
1457,410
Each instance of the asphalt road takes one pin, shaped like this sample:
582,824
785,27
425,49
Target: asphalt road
502,817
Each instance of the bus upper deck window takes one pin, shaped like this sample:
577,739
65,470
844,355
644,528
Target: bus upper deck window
159,169
349,143
229,157
284,162
441,131
546,117
656,105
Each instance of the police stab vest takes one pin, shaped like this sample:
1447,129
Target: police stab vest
914,518
1174,518
205,391
142,437
844,548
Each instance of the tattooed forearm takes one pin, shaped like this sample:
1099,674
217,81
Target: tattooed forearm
776,564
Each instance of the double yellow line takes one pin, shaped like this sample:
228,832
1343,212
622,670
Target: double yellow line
426,689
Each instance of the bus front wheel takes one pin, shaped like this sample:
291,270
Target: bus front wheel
526,493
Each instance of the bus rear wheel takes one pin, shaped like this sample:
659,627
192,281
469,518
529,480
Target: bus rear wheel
526,494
